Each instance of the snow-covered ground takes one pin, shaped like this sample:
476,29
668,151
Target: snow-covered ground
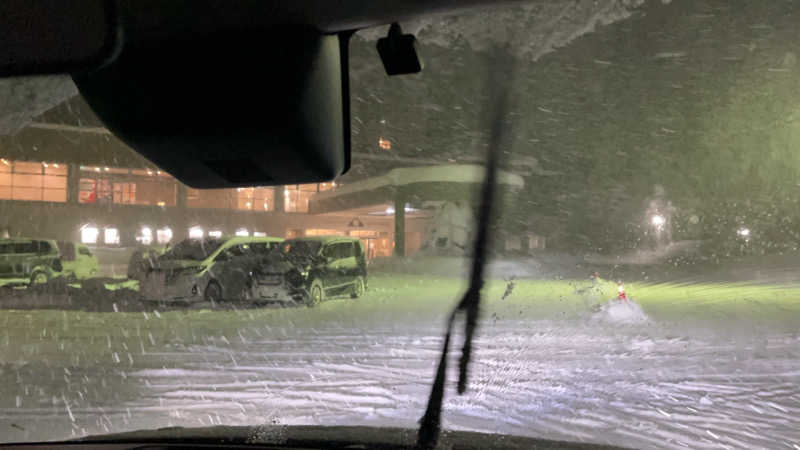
552,372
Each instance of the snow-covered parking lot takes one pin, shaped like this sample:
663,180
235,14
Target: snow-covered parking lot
715,366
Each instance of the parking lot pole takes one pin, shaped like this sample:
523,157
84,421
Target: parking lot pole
280,200
399,225
73,183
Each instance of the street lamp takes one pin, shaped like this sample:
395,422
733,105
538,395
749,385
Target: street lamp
658,222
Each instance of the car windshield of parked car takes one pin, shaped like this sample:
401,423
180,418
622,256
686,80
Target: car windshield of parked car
642,278
301,249
194,249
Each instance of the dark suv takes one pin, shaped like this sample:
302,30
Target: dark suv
311,269
32,261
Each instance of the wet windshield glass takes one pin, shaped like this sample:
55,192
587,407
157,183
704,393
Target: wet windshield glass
643,279
194,249
301,249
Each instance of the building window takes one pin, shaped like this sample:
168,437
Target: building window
126,186
125,193
245,199
375,244
33,181
111,236
255,199
89,234
145,236
196,233
323,232
297,196
164,235
327,186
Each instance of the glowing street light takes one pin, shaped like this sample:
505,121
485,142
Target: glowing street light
743,232
658,221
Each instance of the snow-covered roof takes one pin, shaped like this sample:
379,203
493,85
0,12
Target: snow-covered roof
457,173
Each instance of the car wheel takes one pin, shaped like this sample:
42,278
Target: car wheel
39,277
316,294
358,288
213,292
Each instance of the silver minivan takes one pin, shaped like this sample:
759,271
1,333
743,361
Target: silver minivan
208,269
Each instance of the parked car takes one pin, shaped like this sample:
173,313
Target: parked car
311,269
32,261
77,260
210,269
143,259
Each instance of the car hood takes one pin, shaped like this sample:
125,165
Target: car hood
308,437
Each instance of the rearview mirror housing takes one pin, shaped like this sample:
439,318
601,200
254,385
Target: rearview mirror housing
36,38
234,108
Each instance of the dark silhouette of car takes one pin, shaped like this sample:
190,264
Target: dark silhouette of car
32,261
311,269
210,269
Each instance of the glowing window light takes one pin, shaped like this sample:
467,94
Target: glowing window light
111,236
164,235
89,234
145,236
196,233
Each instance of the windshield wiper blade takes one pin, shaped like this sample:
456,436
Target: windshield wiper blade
469,306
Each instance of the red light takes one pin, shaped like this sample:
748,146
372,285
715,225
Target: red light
384,143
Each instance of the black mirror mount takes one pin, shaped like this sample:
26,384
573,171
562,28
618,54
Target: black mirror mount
398,52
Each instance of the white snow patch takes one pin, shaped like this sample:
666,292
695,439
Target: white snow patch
621,312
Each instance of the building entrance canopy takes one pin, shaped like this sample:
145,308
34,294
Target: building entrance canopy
413,184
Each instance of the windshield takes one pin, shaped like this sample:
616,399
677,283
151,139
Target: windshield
642,286
194,249
297,249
